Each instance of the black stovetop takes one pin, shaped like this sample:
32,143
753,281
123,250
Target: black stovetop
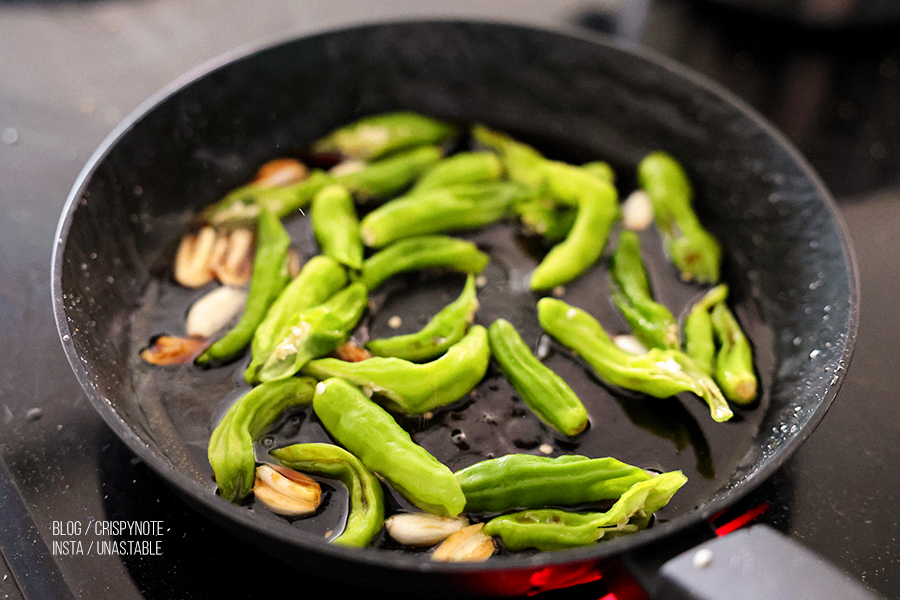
69,71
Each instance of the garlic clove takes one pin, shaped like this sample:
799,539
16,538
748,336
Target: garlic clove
171,350
280,171
192,261
286,492
469,544
351,352
211,313
637,211
422,529
232,258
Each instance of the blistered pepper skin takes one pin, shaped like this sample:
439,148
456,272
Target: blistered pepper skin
366,516
371,434
422,252
270,276
316,332
658,373
517,481
391,175
545,392
375,136
440,333
230,450
693,249
652,323
699,336
416,388
246,202
444,210
555,529
336,226
734,370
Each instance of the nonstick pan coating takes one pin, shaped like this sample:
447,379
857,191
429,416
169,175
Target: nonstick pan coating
789,261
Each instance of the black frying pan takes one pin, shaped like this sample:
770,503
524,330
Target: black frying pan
788,258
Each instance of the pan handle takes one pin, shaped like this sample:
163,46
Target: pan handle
756,563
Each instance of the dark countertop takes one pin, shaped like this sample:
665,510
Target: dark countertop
70,71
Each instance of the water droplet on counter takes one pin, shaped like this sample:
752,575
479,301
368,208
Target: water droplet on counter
9,136
34,414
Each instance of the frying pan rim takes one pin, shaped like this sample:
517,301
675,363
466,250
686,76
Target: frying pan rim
188,487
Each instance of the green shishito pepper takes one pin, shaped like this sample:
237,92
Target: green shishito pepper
375,136
443,330
336,226
245,203
462,167
695,251
366,515
521,162
422,252
555,529
545,392
659,373
386,177
734,360
319,279
518,481
370,433
453,208
316,332
544,217
597,209
699,337
270,276
652,323
412,387
230,450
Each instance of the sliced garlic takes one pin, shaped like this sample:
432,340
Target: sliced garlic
286,492
280,171
637,211
171,350
422,529
352,352
192,262
232,258
469,544
211,313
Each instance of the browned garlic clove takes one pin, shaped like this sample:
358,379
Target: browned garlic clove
422,529
637,211
211,313
172,350
192,262
469,544
351,352
286,492
281,171
232,258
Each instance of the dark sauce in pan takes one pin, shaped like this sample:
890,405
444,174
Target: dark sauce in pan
657,434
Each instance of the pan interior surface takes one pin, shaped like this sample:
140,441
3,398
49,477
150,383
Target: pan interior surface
788,262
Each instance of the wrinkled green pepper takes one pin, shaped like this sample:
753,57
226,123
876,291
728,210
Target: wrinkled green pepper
378,135
462,167
597,211
521,162
422,252
336,226
545,392
388,176
659,373
458,207
319,279
245,203
316,332
370,433
366,516
517,481
734,370
546,218
699,337
230,450
652,323
695,251
555,529
443,330
416,388
270,276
